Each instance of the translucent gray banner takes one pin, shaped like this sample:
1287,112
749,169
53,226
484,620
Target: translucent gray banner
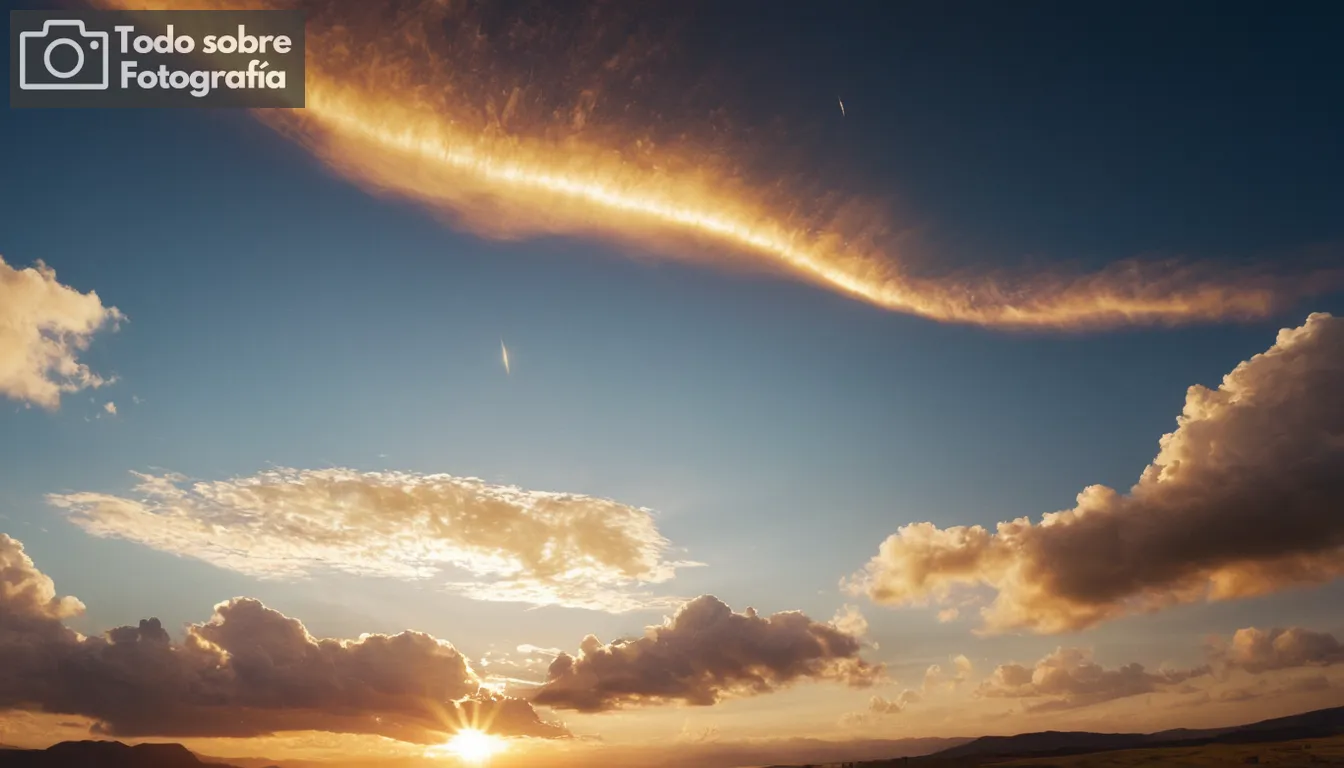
74,59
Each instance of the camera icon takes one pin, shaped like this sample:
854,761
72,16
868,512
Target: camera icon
64,56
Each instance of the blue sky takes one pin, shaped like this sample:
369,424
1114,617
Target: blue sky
282,316
301,323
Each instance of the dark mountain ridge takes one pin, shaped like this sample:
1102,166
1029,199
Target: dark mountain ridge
1316,724
104,754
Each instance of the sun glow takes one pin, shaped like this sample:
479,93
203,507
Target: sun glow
473,747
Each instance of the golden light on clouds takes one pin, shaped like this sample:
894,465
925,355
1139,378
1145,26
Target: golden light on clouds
733,655
485,541
251,680
518,188
248,671
391,109
1239,502
44,327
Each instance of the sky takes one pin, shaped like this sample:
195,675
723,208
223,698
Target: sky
781,380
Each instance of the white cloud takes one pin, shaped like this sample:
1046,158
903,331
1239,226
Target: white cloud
850,620
508,543
27,594
1241,500
44,325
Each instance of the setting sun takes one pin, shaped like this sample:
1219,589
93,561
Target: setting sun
473,746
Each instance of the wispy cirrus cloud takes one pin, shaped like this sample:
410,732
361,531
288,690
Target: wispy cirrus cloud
1241,500
488,542
428,101
44,326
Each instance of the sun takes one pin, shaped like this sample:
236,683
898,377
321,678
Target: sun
474,747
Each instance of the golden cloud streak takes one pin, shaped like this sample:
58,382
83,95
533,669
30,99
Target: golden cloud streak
393,127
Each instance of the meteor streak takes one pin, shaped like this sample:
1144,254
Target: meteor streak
393,126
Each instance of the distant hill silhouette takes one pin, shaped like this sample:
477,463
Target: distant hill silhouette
104,754
1044,742
1320,723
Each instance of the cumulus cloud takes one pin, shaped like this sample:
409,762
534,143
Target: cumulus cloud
110,408
1068,678
488,542
880,707
248,671
1257,650
850,620
44,326
1241,500
883,706
702,654
935,676
26,594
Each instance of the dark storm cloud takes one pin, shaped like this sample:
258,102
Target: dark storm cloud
248,671
701,655
1243,499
